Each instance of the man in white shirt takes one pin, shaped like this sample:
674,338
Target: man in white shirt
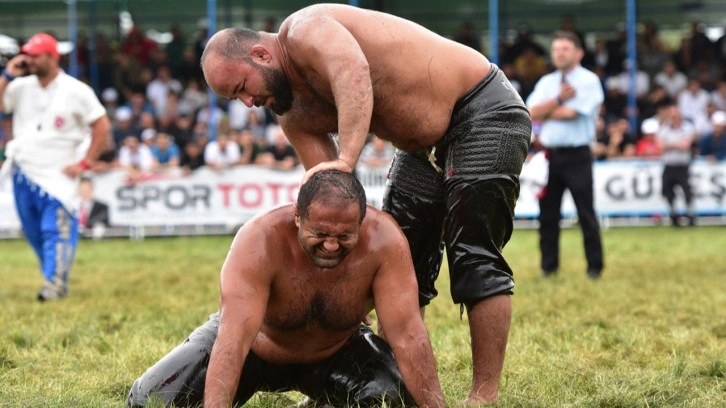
672,80
675,140
568,101
51,114
159,89
718,96
135,157
221,153
693,102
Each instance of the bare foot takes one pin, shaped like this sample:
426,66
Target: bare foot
478,401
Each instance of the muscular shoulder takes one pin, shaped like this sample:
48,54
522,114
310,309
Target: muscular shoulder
382,231
320,25
270,230
307,16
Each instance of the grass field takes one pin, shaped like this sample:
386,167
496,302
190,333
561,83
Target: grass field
651,333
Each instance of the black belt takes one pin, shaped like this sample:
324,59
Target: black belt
567,149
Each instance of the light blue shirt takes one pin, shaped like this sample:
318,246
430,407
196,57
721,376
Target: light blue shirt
579,131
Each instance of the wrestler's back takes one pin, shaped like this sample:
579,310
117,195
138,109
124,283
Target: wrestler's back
417,75
312,311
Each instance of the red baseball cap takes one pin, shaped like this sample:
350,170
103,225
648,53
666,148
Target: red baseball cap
41,43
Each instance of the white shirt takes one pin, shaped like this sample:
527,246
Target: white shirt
213,153
579,131
48,125
672,85
157,92
142,158
718,99
693,105
622,83
238,114
669,134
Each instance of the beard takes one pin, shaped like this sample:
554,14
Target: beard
278,85
39,71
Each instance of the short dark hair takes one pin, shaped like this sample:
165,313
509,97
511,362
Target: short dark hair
334,187
567,35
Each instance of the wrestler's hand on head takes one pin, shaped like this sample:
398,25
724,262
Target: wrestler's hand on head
338,164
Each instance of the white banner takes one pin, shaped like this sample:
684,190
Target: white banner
231,197
633,188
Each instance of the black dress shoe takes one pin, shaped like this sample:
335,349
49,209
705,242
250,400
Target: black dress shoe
593,273
549,274
675,222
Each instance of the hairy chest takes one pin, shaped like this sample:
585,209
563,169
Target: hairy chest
301,303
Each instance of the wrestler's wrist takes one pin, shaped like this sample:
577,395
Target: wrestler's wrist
346,161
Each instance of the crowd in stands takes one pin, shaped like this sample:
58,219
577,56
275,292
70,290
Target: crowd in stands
157,99
683,87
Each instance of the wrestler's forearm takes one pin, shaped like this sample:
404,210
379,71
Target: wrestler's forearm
418,369
354,101
222,380
224,370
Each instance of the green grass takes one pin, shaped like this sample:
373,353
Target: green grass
651,333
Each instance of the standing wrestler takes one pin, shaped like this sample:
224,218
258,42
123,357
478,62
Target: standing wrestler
51,113
295,285
461,130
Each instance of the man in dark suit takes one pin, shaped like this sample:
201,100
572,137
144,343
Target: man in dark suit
91,213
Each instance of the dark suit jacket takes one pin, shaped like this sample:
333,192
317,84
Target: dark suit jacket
98,214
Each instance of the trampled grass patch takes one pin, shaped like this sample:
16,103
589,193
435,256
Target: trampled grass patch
651,333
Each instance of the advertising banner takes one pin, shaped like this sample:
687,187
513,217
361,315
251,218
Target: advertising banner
231,197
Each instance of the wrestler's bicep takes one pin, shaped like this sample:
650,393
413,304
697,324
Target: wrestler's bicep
395,290
246,278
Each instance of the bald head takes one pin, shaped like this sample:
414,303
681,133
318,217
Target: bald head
231,44
241,64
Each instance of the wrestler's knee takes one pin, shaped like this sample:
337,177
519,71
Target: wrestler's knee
385,382
421,220
383,391
140,393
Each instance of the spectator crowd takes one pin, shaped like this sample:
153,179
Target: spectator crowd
682,89
157,100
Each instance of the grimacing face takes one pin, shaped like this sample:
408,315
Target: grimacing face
329,232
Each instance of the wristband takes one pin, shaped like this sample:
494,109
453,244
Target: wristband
85,164
559,100
7,75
